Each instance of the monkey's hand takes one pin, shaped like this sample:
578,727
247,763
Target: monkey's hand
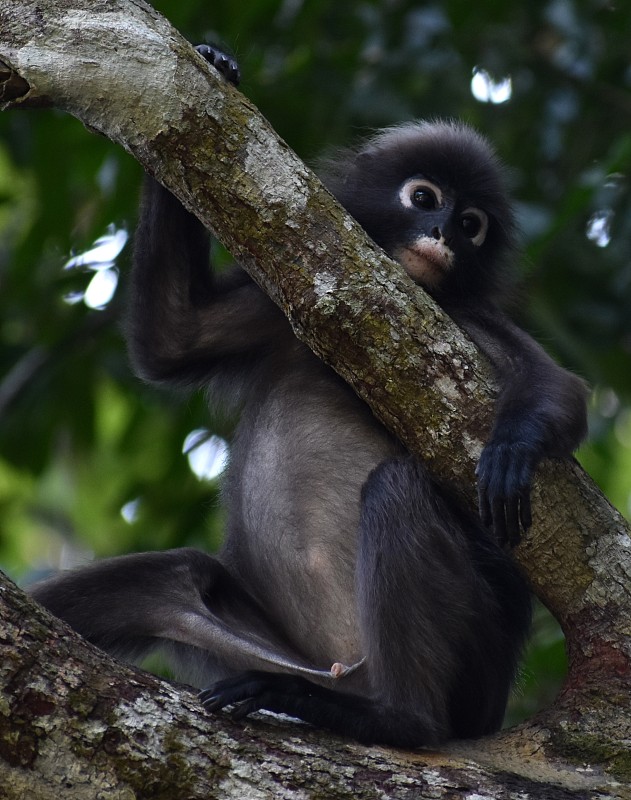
223,63
504,474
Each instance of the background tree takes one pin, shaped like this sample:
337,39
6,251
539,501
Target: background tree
81,440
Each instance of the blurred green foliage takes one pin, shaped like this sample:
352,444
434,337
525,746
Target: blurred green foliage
81,437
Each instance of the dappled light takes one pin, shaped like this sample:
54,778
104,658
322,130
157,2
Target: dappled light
99,259
599,228
130,511
207,454
609,194
488,90
101,288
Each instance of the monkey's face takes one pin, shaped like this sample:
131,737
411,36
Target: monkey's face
437,231
433,195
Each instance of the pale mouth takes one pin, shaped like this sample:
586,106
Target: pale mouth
426,260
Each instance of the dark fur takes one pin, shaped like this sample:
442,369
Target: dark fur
340,547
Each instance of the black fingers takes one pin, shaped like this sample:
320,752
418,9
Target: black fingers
228,693
505,473
525,513
252,691
223,63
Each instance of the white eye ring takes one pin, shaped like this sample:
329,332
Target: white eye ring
483,219
406,192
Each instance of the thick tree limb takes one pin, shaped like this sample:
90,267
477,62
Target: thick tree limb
122,70
76,725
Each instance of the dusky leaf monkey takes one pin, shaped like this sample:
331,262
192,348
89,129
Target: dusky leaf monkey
353,590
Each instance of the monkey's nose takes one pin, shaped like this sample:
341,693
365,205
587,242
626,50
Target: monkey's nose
436,234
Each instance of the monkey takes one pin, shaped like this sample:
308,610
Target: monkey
353,590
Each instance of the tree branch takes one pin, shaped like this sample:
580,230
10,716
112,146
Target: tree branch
122,70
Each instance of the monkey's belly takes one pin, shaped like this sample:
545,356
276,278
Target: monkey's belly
299,482
298,540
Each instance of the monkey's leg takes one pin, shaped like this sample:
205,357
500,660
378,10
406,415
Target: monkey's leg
444,611
440,653
183,599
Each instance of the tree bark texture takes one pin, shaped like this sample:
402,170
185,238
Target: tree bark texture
74,724
122,70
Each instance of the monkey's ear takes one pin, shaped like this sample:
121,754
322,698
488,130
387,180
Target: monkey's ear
362,163
365,157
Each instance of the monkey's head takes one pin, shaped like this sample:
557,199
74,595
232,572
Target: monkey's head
433,195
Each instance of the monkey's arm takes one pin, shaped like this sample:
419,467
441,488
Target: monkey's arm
540,413
185,324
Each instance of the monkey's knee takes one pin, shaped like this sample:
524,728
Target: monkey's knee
408,533
398,479
398,496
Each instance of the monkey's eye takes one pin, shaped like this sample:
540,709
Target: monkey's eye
424,198
420,193
474,223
